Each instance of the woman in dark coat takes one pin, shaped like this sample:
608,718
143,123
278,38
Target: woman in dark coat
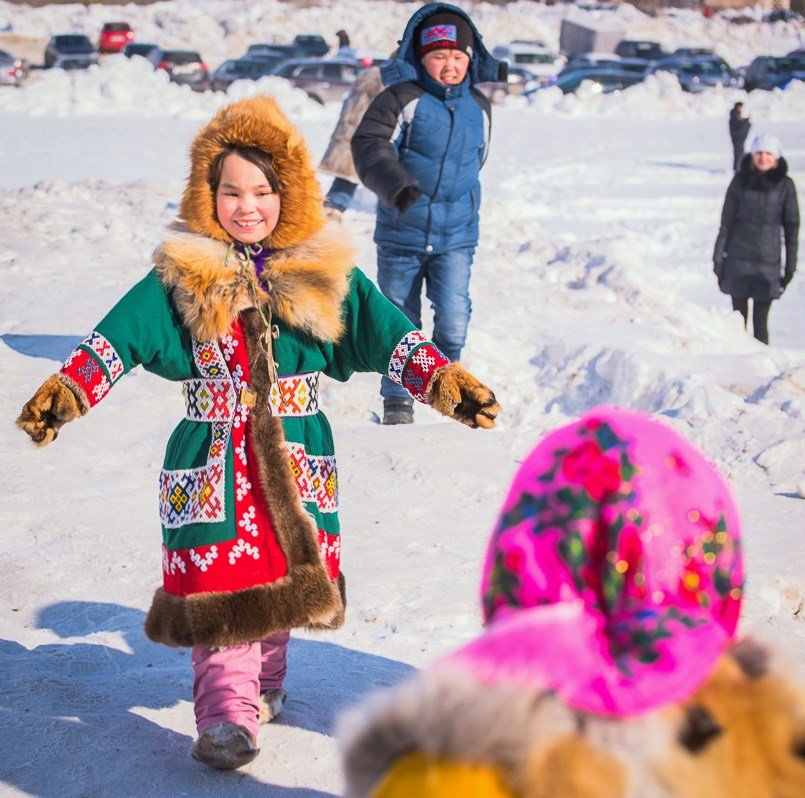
761,199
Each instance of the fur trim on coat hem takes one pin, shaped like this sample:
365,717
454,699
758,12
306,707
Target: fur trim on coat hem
303,598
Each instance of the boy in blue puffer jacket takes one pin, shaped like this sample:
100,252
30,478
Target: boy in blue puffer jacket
420,147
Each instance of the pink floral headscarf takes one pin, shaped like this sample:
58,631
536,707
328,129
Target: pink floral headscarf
614,575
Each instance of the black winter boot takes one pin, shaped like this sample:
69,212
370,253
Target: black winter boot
398,410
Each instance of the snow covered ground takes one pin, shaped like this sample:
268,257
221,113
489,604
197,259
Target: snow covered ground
592,284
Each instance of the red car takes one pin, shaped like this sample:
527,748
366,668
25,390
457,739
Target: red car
114,37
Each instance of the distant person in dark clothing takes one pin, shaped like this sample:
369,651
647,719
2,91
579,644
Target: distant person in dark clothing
739,130
761,199
344,46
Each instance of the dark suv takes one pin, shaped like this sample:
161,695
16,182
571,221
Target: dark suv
68,44
774,72
311,45
286,50
323,81
242,69
645,50
184,67
697,74
138,48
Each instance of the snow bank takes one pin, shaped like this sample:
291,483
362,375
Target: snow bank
660,96
121,85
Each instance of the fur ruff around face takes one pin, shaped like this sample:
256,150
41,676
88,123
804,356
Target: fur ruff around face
308,282
742,735
255,122
304,597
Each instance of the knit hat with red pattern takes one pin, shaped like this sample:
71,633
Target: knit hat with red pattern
443,31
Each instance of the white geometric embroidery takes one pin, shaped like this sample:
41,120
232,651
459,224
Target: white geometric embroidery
240,451
242,485
229,343
177,563
101,389
247,522
241,548
202,563
333,549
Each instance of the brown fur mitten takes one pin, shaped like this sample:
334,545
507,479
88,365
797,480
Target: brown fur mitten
456,393
52,406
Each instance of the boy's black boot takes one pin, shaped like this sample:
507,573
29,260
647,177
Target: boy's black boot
398,410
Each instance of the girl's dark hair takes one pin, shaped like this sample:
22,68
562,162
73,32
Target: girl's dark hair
262,160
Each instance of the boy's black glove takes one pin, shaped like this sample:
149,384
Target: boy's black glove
407,196
787,278
718,266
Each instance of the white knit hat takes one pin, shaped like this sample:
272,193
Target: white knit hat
765,142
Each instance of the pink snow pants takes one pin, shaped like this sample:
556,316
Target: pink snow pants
228,681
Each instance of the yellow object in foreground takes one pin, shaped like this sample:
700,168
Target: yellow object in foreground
424,777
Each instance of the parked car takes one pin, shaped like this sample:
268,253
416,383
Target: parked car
603,61
273,59
73,62
518,81
114,37
13,70
322,80
782,15
287,50
774,72
138,48
697,74
602,79
310,45
533,56
68,44
184,67
693,52
241,69
641,49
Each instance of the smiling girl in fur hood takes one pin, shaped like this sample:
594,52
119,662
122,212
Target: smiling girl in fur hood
252,297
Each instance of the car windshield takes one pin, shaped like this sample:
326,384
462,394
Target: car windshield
72,41
639,67
117,26
75,63
180,57
255,68
533,58
704,68
139,49
791,64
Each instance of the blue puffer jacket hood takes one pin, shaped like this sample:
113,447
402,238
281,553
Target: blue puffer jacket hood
405,65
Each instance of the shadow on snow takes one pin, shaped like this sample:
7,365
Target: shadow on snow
66,722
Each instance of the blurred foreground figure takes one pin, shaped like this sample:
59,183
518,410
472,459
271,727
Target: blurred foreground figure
609,667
